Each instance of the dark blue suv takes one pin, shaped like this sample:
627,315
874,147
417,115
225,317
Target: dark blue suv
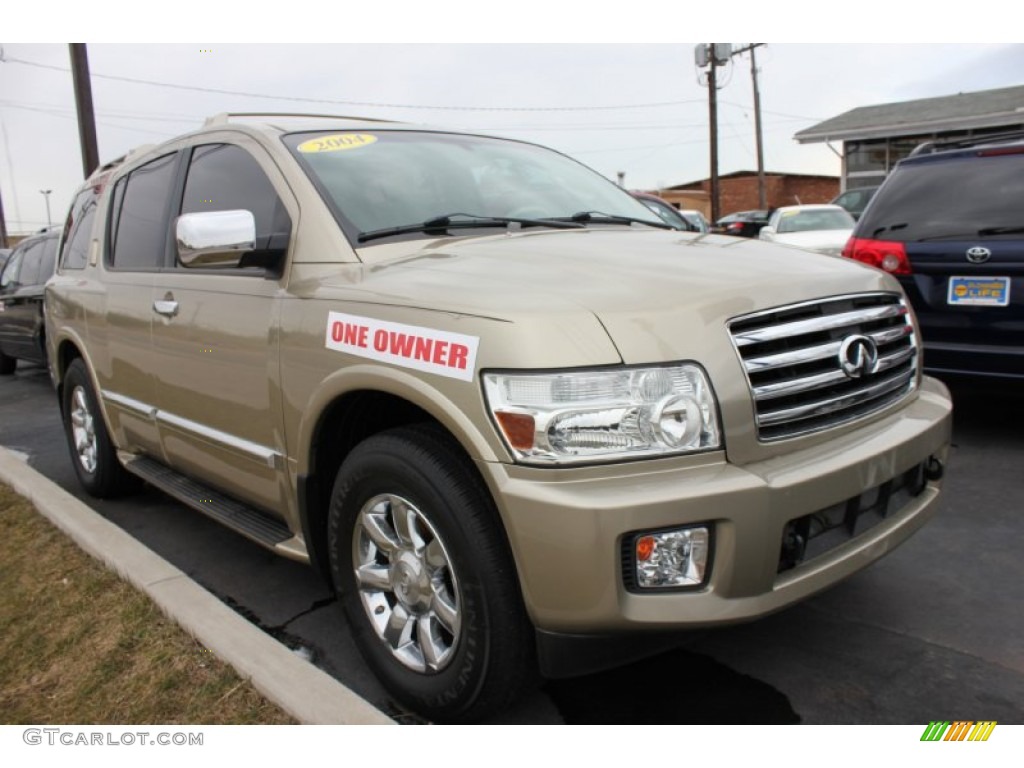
949,223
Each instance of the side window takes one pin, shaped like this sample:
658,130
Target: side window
48,262
79,229
30,263
223,177
139,217
11,270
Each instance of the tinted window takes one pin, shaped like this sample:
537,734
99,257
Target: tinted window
10,274
31,264
223,177
79,227
37,264
948,198
140,222
48,264
31,256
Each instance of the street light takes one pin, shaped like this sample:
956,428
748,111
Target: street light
46,196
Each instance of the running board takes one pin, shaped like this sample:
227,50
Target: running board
247,521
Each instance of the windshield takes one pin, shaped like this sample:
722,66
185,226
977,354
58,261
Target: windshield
809,221
383,179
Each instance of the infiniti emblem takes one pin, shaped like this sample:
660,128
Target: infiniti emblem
978,255
858,356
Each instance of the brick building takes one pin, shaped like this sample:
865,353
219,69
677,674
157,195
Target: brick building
738,191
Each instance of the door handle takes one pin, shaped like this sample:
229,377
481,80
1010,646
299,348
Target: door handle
167,306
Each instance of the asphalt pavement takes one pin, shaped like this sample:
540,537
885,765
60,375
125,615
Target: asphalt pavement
932,631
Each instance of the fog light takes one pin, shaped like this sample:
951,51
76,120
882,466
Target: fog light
671,559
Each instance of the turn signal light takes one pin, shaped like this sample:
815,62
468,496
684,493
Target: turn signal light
518,428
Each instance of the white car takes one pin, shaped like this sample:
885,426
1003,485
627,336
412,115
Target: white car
697,218
821,228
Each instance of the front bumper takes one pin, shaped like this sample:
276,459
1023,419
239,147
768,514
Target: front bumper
566,526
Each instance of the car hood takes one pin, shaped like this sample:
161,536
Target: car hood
659,295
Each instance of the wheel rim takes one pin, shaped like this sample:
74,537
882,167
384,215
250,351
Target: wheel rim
83,431
406,583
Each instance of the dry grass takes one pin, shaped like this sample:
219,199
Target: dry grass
79,645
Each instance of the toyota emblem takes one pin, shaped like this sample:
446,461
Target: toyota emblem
858,356
978,255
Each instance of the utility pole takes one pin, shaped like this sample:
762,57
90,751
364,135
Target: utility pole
83,103
713,55
3,224
762,195
713,120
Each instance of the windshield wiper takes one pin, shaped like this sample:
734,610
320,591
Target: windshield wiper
464,221
606,218
1001,231
985,232
887,228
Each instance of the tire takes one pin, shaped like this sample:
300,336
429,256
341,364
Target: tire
7,364
436,610
92,453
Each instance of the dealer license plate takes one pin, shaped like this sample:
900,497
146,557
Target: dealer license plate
979,291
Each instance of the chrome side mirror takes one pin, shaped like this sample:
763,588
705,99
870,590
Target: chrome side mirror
215,238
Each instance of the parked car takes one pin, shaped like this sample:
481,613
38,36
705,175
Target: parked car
820,228
28,268
855,200
949,223
667,212
486,392
697,218
4,255
742,223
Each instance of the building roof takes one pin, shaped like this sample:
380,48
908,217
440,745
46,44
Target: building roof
748,174
961,111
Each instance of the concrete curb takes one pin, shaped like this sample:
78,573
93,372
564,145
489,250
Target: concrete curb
308,694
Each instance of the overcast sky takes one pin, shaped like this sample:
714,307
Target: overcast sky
592,101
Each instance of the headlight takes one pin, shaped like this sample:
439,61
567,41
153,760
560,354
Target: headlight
621,413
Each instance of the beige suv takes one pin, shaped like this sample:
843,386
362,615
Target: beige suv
513,418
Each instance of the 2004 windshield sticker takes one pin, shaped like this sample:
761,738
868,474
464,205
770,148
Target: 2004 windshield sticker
338,142
410,346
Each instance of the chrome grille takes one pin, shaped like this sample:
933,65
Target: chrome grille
793,360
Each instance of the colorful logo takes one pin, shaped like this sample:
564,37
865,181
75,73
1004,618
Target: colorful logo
960,730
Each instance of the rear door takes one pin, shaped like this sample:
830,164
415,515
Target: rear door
22,321
121,315
8,286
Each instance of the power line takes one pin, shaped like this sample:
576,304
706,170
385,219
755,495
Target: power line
351,103
155,117
770,112
66,114
702,140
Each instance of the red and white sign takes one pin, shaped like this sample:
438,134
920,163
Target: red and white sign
410,346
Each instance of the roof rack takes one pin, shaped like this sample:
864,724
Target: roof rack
941,145
223,118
